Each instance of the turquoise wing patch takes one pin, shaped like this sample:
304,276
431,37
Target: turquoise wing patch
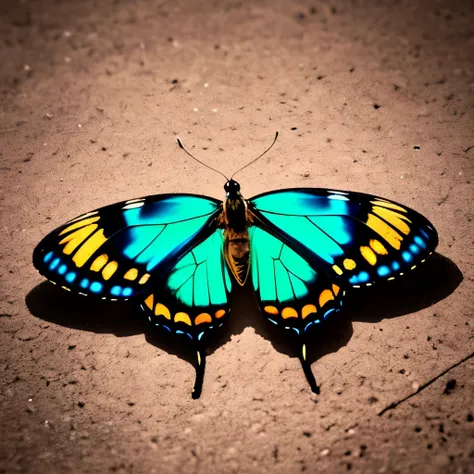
356,239
290,292
194,296
116,252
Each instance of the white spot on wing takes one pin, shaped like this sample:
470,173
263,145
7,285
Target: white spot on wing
337,197
133,205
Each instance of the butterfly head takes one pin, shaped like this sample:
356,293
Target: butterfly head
232,188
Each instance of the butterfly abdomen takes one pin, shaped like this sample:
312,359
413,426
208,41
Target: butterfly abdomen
236,237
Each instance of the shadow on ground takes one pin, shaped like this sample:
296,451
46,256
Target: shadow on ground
430,283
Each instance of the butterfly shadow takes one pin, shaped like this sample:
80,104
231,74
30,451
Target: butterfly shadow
433,281
52,304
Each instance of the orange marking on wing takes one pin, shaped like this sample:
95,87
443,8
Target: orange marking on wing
324,297
149,301
307,310
271,310
183,318
203,318
162,310
289,313
219,313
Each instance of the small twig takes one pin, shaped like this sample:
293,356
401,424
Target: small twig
425,385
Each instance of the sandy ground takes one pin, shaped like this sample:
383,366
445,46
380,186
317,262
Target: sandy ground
368,96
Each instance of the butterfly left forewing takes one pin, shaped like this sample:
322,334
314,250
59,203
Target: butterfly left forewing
117,251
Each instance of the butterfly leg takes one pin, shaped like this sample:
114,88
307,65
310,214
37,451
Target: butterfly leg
307,369
200,367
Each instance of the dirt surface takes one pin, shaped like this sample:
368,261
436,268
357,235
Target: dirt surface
368,96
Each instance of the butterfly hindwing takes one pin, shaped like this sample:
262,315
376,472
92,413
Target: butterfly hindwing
355,238
118,251
192,299
194,296
291,293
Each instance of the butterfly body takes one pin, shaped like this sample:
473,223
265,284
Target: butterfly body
175,255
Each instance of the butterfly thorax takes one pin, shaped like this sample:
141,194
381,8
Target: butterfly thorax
236,219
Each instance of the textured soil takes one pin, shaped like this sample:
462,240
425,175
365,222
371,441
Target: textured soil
368,96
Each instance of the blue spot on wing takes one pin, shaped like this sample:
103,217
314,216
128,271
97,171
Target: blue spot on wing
96,287
70,277
383,271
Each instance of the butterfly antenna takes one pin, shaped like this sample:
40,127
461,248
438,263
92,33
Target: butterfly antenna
307,370
200,367
180,143
258,157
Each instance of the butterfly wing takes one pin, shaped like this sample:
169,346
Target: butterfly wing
119,251
193,298
357,239
309,245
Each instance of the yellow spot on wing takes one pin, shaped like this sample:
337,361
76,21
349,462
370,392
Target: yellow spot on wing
144,279
388,205
79,224
183,318
203,318
303,351
99,262
394,218
219,313
109,270
307,310
335,289
131,274
368,254
162,310
385,231
337,269
349,264
75,239
378,247
271,310
149,301
325,296
199,358
89,247
289,313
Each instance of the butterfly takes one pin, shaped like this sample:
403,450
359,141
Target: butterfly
179,255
